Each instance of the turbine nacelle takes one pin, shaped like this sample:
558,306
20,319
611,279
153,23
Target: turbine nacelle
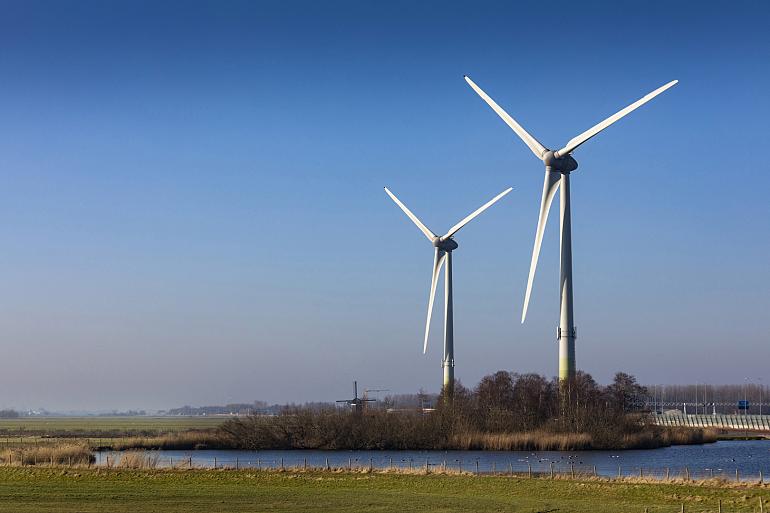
562,164
445,245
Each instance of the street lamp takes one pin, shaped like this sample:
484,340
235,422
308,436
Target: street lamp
696,398
745,397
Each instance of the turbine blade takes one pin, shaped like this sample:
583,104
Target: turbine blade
438,261
424,229
478,211
550,185
580,139
534,145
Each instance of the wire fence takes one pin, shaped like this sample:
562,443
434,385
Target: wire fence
551,469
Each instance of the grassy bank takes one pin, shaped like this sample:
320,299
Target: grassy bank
530,441
216,438
119,490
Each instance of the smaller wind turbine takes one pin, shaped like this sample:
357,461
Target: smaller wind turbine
444,245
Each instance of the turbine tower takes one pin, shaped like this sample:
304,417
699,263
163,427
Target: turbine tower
558,166
444,245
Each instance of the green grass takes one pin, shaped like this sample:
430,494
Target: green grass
137,491
74,425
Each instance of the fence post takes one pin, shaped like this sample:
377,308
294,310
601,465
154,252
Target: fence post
371,465
683,507
215,462
281,463
477,466
668,474
737,477
327,463
761,506
493,467
572,470
594,470
720,506
170,461
460,465
640,472
237,463
426,465
304,464
259,464
761,478
620,474
529,470
551,464
510,469
350,464
190,465
391,463
687,473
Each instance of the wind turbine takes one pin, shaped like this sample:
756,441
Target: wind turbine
558,166
444,245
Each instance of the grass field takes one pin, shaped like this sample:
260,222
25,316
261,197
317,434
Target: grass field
48,490
43,425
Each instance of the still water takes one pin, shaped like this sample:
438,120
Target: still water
718,459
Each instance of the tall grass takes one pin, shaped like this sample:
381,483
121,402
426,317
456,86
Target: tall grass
138,460
64,454
175,441
653,438
531,441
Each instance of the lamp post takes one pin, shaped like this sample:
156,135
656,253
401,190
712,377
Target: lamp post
696,398
760,395
745,396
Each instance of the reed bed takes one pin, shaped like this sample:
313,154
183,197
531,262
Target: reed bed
651,439
183,440
529,441
139,460
64,454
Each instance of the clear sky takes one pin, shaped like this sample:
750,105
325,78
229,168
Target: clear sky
191,208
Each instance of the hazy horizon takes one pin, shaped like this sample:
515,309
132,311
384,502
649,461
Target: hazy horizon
192,209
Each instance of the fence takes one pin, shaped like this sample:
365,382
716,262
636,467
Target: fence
537,469
740,422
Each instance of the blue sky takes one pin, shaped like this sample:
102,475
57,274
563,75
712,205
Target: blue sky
192,211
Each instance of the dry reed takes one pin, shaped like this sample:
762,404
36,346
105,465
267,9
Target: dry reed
527,441
138,460
64,454
173,441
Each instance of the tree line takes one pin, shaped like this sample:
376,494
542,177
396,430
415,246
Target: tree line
504,410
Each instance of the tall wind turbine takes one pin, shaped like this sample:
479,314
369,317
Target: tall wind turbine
558,165
444,245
